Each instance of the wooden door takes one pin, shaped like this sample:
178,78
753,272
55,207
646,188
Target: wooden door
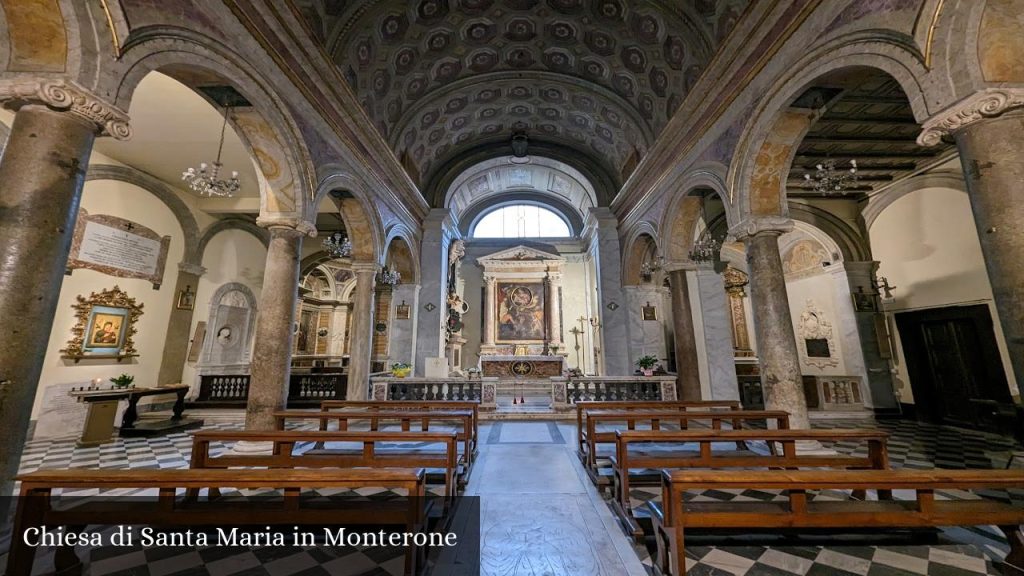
953,363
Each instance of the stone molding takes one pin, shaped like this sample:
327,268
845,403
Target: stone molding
756,225
365,267
679,266
66,95
986,103
190,268
298,224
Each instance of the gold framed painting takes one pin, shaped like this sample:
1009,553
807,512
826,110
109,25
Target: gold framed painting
403,311
105,326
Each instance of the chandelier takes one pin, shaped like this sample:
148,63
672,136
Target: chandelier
207,181
338,245
648,268
828,179
706,248
389,276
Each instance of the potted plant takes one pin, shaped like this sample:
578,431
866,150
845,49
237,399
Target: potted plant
123,381
646,364
400,369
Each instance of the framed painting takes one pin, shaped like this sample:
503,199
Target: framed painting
105,326
520,312
403,311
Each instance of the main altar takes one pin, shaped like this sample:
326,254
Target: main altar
522,314
523,366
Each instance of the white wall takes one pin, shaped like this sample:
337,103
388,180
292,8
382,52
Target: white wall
927,244
230,256
133,203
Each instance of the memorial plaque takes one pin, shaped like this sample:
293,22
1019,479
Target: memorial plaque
60,414
118,247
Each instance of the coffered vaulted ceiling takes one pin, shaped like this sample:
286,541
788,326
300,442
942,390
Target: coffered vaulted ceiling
443,77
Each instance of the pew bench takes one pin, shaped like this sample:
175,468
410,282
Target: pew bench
641,455
654,420
167,510
360,450
403,420
798,512
420,405
584,405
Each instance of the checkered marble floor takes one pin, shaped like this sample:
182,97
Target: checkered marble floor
960,551
956,551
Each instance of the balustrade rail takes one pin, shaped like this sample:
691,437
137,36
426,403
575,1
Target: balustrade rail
404,389
586,391
304,390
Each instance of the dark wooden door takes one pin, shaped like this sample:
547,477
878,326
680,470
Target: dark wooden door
953,363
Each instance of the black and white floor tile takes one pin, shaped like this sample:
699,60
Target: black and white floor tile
960,551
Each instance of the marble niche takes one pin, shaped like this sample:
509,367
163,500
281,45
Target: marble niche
227,348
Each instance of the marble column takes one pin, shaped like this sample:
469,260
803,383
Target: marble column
602,232
687,368
272,345
781,379
403,332
178,326
42,172
554,303
361,336
339,330
857,331
987,128
717,331
438,232
490,294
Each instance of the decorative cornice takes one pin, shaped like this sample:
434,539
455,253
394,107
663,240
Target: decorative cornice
190,268
297,224
985,103
360,267
67,95
679,266
755,225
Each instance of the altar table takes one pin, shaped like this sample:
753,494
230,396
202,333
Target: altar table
522,366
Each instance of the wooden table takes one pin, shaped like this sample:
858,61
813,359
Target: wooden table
99,422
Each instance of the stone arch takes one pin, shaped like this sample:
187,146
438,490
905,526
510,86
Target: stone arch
401,251
761,161
193,253
215,301
362,221
982,56
231,224
853,246
879,202
679,223
269,131
641,245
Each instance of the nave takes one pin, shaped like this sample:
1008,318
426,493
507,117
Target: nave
541,514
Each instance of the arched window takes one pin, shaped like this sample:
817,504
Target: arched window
521,221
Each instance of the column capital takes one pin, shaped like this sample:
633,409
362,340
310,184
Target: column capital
191,268
278,224
986,103
66,96
756,225
672,266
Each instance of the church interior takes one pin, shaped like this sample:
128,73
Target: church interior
568,277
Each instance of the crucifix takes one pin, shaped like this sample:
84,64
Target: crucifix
129,226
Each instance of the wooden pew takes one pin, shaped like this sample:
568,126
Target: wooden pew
800,513
422,405
782,445
583,406
406,419
371,453
654,418
167,510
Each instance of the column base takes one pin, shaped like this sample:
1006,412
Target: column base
813,448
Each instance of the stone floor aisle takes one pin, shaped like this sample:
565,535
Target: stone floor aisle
540,515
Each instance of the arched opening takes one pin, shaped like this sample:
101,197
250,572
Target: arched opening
520,220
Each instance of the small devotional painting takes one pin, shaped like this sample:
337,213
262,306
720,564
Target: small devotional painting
520,312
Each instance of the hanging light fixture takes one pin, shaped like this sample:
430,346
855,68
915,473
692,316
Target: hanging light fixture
207,181
706,248
830,179
389,276
338,245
